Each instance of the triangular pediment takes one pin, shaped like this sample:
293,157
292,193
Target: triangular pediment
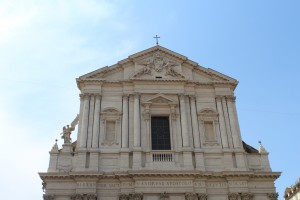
157,63
159,99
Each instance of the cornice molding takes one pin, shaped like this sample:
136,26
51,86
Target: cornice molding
165,174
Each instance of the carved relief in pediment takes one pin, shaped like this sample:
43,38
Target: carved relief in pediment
158,66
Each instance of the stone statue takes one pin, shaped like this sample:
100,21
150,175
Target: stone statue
66,134
67,130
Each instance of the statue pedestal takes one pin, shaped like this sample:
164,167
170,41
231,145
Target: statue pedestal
67,148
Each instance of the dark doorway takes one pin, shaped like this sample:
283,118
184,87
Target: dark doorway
160,133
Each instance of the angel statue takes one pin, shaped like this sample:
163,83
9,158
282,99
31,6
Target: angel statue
67,130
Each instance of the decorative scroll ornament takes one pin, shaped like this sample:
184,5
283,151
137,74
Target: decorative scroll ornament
202,196
190,196
48,197
272,196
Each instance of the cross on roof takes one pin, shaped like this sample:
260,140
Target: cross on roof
156,37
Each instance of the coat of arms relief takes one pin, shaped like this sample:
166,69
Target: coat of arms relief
158,65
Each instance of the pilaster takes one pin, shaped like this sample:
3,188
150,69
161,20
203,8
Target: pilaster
184,128
224,134
125,117
236,136
96,124
91,121
85,120
195,122
137,122
227,123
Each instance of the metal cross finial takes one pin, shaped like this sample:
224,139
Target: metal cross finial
259,142
156,37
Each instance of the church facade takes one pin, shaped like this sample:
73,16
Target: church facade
157,126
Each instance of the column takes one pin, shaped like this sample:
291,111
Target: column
237,142
195,122
85,119
136,118
125,122
222,122
227,123
96,130
185,137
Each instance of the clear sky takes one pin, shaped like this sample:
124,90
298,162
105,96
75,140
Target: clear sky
45,45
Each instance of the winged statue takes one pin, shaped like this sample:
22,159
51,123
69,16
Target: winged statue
67,130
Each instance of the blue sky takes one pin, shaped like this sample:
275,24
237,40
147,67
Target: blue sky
45,45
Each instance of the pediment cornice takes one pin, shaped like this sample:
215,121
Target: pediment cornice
157,62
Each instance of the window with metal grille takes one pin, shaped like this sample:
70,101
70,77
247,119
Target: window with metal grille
160,133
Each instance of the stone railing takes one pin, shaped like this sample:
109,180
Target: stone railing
162,156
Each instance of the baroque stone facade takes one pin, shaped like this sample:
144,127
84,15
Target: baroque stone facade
293,192
157,126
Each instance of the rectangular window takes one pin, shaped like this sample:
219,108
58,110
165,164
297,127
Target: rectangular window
110,130
160,133
209,131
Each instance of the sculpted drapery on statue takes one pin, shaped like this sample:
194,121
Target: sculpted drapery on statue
67,130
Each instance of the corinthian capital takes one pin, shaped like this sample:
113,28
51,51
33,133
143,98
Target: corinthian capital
124,197
190,196
84,96
272,196
136,196
91,197
202,196
231,98
233,196
181,96
247,196
219,98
